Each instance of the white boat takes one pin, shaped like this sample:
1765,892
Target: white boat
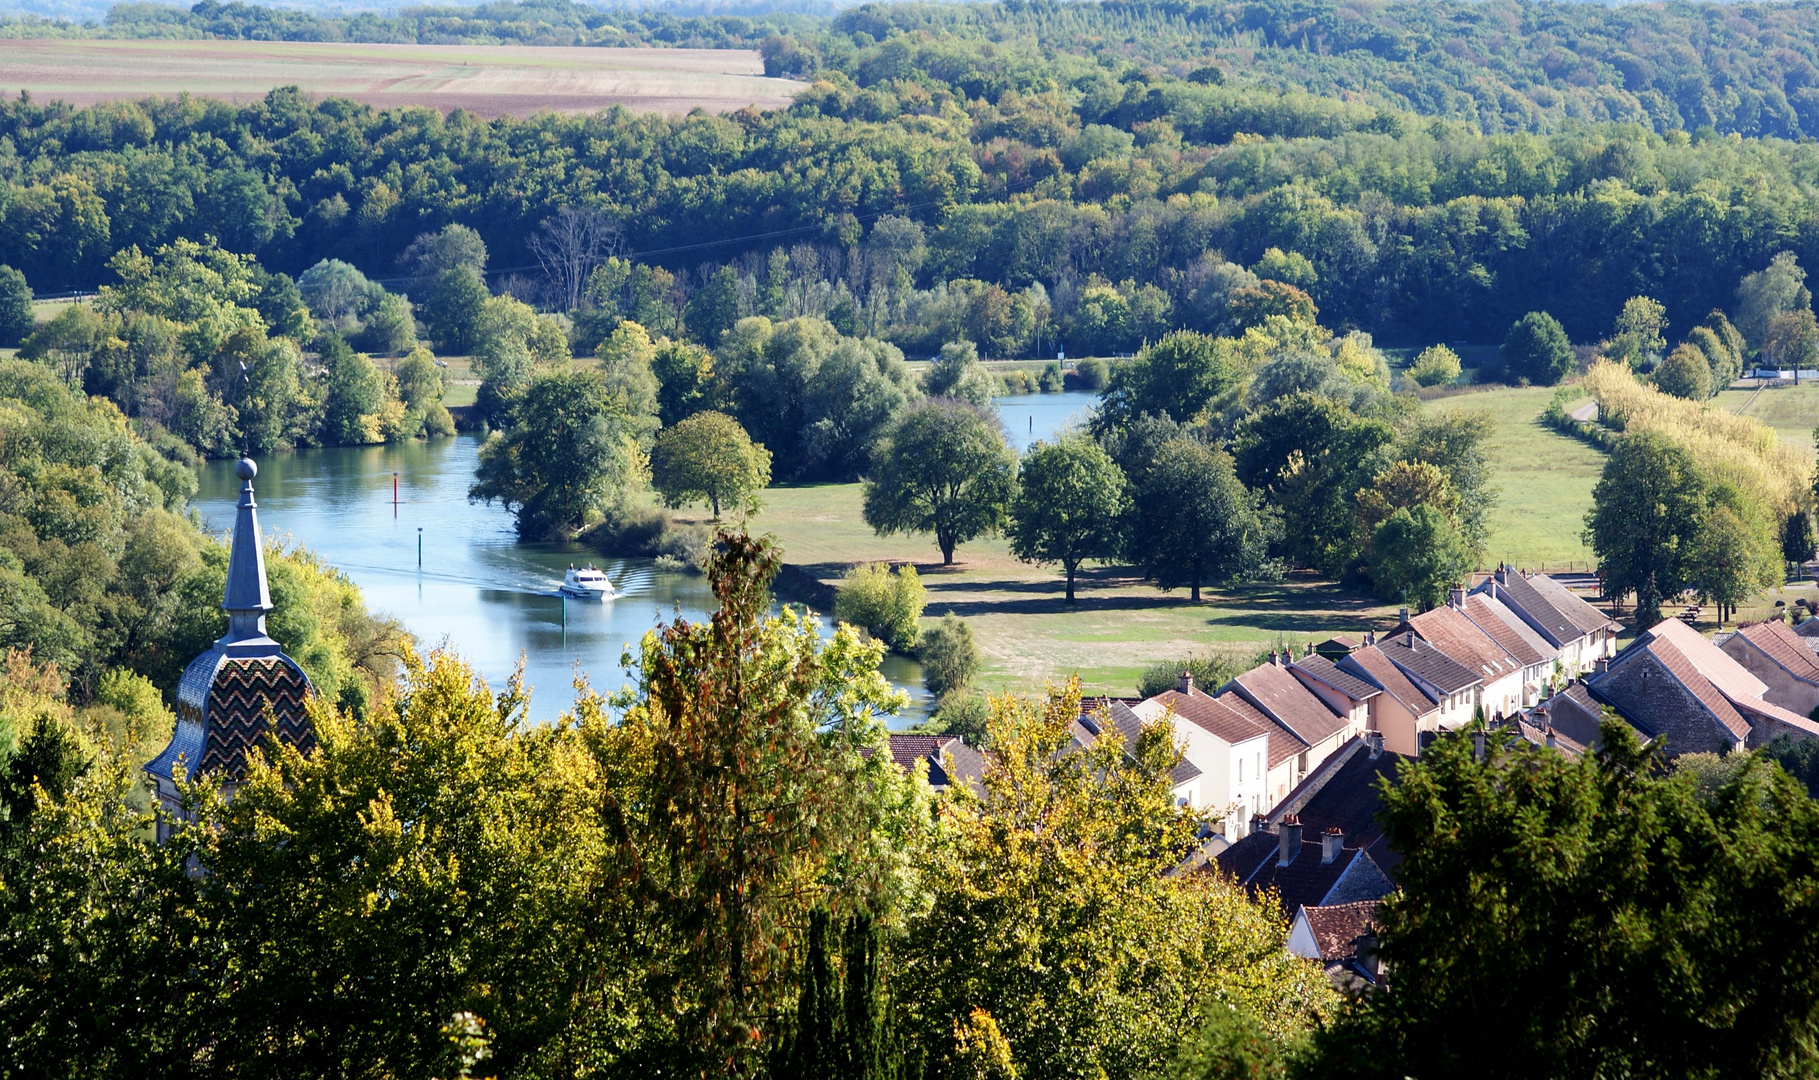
587,583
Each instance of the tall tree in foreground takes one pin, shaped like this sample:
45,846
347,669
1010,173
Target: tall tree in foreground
1057,919
15,307
1194,524
1417,554
770,793
945,469
1070,498
1612,921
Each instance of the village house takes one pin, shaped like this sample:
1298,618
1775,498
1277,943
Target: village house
242,689
1448,629
1229,752
1579,634
1401,713
1773,653
1275,692
1343,938
1517,639
1673,683
947,758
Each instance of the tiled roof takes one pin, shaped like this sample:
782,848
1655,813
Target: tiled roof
1346,799
1507,629
1758,710
1282,742
1784,647
1573,713
1212,715
1447,629
1337,927
1278,693
1536,735
1729,676
906,750
969,764
1428,664
1370,663
1320,668
1690,676
1520,593
1569,604
1808,628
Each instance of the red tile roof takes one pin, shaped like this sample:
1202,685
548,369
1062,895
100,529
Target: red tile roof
1282,745
1277,692
1784,647
1708,693
1726,673
1507,629
1212,715
1447,629
1337,927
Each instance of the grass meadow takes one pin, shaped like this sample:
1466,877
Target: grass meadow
1544,480
1793,411
1026,632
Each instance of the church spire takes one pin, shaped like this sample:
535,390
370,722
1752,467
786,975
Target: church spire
246,599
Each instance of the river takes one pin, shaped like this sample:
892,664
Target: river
477,589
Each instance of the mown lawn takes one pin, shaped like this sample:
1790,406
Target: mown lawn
1026,633
1544,480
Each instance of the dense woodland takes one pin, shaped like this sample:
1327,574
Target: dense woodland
1135,187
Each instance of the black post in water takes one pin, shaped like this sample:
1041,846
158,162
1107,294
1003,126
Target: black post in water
419,547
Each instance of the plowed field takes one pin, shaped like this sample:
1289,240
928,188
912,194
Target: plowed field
487,80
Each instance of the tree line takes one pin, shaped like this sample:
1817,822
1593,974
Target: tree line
932,181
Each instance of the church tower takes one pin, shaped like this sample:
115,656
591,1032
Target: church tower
225,694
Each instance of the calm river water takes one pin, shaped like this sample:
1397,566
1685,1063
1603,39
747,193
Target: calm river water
478,589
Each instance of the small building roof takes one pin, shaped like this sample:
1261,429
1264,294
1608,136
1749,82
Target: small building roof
1545,604
969,764
1337,928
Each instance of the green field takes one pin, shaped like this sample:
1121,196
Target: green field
1793,411
1026,634
1544,480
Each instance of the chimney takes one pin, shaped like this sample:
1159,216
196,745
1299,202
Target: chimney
1370,637
1184,683
1601,665
1373,741
1552,742
1332,842
1282,660
1288,840
1402,618
1456,598
1478,745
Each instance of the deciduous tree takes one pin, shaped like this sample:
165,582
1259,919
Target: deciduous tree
945,469
1194,523
1069,505
709,458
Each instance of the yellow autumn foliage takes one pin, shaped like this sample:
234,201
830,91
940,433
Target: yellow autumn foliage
1739,449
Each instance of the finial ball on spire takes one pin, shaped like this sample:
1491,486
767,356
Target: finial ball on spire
245,469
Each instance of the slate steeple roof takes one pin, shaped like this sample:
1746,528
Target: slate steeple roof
244,684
